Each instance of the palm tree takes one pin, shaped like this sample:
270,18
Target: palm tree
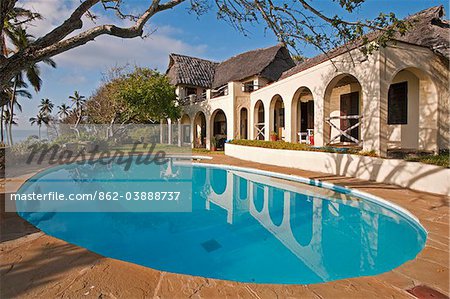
64,111
12,92
78,101
13,22
39,120
46,107
10,120
21,40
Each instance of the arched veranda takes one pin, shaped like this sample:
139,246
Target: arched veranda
412,111
277,117
302,116
219,128
185,122
200,130
259,119
342,110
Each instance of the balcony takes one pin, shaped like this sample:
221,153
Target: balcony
192,99
219,92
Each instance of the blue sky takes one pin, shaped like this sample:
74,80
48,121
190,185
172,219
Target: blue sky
176,31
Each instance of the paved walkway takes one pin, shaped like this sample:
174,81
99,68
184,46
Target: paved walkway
33,264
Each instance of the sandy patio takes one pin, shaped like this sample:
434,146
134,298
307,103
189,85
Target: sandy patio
33,264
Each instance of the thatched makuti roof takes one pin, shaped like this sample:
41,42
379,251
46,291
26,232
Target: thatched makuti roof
269,63
190,71
428,30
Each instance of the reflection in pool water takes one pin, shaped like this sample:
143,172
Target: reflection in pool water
250,228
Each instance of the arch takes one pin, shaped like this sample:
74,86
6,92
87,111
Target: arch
198,178
412,111
243,188
343,99
276,205
200,130
302,113
301,219
277,116
259,119
218,180
258,197
219,127
185,119
243,123
185,122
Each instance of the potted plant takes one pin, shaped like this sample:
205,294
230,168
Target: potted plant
213,144
273,136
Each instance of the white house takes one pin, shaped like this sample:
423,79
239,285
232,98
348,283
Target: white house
395,98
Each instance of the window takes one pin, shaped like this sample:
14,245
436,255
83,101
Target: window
281,115
248,86
398,104
191,90
261,114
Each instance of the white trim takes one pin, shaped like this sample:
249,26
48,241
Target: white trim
412,175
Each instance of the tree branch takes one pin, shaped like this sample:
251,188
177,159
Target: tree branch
73,23
90,34
54,43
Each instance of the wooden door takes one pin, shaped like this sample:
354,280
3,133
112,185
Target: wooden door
303,116
349,106
306,116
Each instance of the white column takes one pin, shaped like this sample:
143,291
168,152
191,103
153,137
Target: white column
169,129
231,113
161,127
191,130
288,120
208,131
319,120
179,132
251,124
267,129
230,125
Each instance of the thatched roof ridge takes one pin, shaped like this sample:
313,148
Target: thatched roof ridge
255,62
429,30
190,71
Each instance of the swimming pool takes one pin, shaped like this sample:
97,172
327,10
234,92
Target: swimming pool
244,226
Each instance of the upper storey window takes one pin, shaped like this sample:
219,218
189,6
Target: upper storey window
190,91
248,86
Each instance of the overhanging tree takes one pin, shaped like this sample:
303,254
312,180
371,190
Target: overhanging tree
138,96
292,21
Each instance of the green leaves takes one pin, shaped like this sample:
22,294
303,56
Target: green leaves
148,95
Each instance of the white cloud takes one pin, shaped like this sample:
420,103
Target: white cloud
106,51
52,11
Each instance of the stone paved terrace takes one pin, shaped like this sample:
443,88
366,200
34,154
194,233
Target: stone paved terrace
33,264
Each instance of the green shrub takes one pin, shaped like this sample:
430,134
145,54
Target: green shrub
290,146
443,159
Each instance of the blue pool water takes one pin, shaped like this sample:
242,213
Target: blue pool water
243,227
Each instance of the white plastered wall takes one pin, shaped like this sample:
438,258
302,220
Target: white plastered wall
432,76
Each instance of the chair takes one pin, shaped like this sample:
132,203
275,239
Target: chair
305,137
